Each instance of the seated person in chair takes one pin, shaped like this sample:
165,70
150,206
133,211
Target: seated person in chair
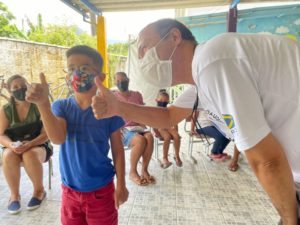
168,134
207,128
24,141
136,136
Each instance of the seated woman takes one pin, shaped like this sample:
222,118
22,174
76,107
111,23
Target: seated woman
209,129
135,135
24,141
168,134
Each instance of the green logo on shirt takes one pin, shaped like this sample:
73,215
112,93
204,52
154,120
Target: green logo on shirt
229,120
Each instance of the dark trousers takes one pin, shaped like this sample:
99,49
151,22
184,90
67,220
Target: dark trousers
220,140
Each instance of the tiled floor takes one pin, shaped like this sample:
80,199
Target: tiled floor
205,193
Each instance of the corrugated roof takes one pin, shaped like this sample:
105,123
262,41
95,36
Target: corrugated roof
98,6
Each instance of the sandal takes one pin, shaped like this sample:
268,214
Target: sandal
226,156
217,157
178,162
165,165
233,167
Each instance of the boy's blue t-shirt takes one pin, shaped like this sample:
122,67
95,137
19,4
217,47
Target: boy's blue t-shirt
83,158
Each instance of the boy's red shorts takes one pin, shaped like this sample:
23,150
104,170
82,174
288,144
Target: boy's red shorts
92,208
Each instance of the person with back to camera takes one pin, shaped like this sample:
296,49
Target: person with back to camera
25,141
89,195
242,80
168,134
135,135
209,129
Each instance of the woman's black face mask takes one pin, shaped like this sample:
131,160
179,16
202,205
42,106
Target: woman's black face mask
20,93
162,104
123,85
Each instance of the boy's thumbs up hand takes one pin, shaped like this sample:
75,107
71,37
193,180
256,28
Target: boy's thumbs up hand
104,104
37,93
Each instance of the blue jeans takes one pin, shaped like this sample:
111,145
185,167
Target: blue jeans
220,140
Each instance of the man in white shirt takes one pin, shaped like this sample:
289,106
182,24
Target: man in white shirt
250,84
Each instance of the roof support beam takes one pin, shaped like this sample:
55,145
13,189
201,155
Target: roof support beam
232,16
101,46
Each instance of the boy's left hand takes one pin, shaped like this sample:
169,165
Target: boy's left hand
121,196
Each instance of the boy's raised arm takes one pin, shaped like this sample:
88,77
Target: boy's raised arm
55,127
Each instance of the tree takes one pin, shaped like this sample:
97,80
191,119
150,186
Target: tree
6,28
117,58
63,35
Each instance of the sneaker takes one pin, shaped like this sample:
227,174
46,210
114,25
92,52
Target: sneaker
35,203
14,207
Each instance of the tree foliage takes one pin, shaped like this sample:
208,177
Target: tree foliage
62,35
6,28
117,58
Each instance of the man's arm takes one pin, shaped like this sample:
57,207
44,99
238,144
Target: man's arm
105,105
271,167
157,117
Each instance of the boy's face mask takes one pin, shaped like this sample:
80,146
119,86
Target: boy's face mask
20,93
162,104
82,81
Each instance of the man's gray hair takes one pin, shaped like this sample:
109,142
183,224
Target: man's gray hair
163,26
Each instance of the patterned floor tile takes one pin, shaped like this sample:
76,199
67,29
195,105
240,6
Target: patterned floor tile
201,193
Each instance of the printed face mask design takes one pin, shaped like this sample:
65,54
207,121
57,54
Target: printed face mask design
82,82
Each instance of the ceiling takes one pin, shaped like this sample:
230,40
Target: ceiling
99,6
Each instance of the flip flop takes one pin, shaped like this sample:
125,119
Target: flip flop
178,163
226,156
150,179
139,181
233,167
165,165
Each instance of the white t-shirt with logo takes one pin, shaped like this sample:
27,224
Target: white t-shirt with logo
250,85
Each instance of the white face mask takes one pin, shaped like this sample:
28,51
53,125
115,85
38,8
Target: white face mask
155,71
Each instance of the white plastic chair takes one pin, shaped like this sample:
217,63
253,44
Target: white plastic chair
197,138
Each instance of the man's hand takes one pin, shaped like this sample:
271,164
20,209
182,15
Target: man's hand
121,196
37,93
104,104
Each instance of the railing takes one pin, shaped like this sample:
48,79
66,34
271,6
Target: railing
175,91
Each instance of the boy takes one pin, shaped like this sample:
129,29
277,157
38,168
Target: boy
169,134
88,195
